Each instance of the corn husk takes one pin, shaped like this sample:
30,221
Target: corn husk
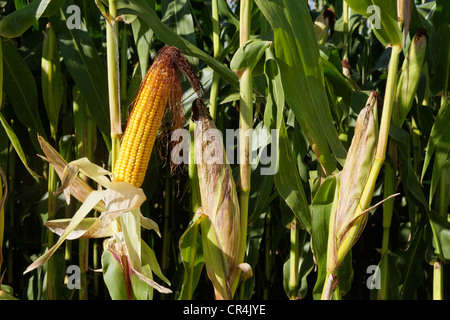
409,78
352,182
324,25
219,203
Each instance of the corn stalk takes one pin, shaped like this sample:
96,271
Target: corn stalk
245,125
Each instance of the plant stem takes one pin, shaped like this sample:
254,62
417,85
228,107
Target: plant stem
388,210
193,174
113,81
166,232
216,51
123,64
294,260
328,287
113,88
3,175
345,27
2,211
438,270
245,124
51,271
267,263
438,280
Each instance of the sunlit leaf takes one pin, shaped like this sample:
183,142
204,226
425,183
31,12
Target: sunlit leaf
302,76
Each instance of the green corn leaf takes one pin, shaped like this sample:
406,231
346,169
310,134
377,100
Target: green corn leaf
297,54
248,55
52,87
440,47
438,145
273,112
16,144
143,10
20,86
85,66
288,182
321,208
142,38
192,256
215,260
382,14
177,16
17,22
149,258
113,276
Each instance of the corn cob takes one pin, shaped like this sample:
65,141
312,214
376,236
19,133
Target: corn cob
160,87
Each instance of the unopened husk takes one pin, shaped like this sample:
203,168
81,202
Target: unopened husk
409,77
353,180
219,202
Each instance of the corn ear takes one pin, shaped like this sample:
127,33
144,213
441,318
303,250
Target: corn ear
352,181
219,202
409,77
160,87
324,25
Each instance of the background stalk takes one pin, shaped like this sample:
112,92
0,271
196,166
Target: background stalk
113,87
193,175
345,69
267,257
388,210
113,81
51,90
294,260
438,267
245,125
216,54
2,209
166,231
2,215
123,64
85,134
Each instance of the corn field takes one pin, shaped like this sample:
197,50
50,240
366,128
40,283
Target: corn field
224,150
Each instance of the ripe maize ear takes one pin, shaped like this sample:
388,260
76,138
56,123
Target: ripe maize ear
160,87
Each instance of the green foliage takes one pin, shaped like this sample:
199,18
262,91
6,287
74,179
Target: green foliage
300,88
